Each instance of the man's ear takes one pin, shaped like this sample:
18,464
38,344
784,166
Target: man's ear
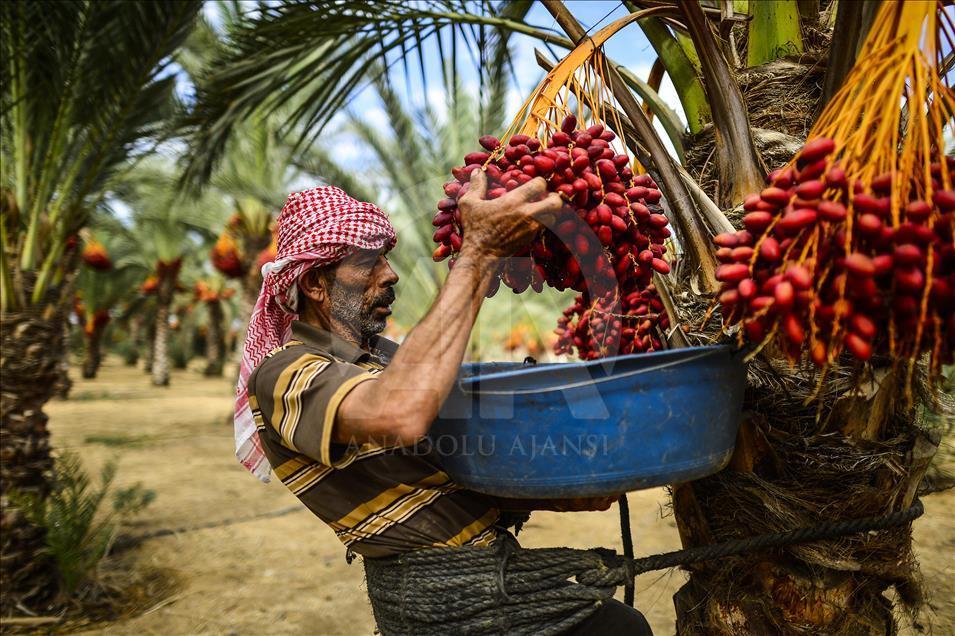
314,286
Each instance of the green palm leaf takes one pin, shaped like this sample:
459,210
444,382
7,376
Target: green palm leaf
315,54
85,87
166,225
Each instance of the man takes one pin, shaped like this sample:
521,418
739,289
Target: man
334,408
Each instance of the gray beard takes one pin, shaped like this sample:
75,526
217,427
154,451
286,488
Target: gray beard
346,309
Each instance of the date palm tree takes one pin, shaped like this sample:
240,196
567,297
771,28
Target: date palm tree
258,167
751,78
167,227
85,90
99,294
215,296
254,177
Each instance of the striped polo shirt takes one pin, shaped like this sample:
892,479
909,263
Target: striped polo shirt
379,500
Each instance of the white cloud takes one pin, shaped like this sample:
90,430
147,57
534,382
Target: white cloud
437,96
514,100
338,121
669,95
377,117
348,150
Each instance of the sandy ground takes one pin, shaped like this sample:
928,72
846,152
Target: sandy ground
287,574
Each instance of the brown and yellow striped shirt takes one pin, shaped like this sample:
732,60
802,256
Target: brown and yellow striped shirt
379,500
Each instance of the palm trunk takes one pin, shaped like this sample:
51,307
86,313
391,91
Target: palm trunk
160,361
215,339
32,348
244,306
863,457
167,273
150,347
796,466
63,384
92,360
860,454
136,341
249,293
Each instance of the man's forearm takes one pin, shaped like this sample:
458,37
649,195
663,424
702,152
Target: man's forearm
405,398
431,354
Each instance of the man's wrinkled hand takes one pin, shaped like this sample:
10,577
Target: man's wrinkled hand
500,227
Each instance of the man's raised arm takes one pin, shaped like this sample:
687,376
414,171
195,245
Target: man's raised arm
402,402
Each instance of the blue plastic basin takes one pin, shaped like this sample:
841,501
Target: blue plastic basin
591,428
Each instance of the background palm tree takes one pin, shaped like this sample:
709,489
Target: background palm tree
751,78
168,228
258,167
214,297
256,174
100,293
85,90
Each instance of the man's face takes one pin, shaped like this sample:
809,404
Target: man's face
361,291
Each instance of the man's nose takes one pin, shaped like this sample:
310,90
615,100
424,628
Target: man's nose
389,276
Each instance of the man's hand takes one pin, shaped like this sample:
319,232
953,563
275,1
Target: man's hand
500,227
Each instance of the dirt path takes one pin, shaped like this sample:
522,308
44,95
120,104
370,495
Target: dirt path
287,574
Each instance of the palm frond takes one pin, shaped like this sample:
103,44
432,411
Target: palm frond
316,54
85,85
499,67
320,163
168,225
258,164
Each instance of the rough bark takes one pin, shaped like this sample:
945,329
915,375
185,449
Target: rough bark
63,384
215,339
864,456
244,307
136,341
160,361
150,347
32,348
251,285
167,274
93,358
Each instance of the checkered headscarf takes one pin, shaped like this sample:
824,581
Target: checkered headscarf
317,227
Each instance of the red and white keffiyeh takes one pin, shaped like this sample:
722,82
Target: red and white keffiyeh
317,227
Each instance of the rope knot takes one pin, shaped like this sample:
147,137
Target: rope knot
609,569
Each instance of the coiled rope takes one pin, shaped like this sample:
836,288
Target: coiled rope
507,589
